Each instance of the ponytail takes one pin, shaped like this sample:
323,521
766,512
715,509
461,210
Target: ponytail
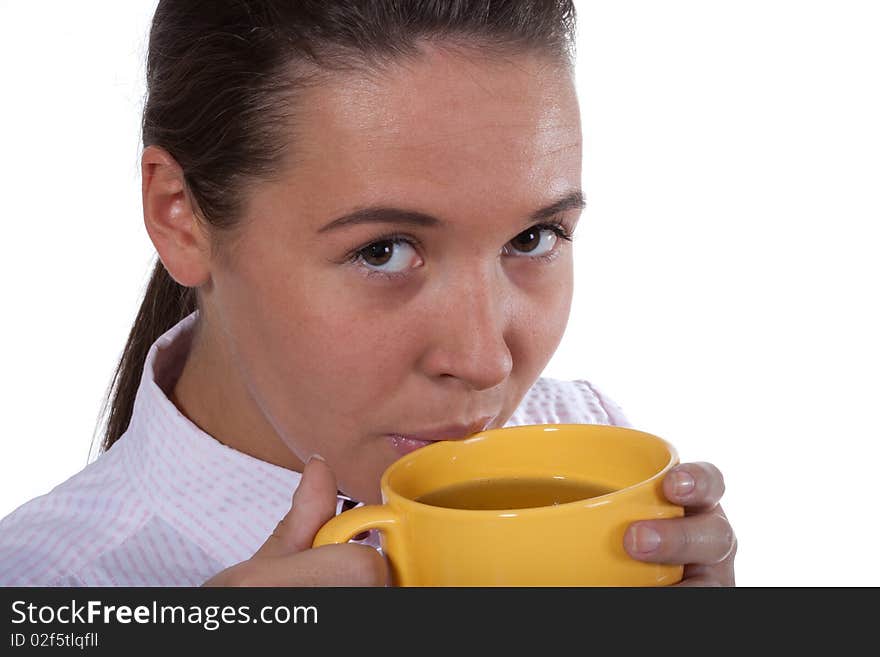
165,303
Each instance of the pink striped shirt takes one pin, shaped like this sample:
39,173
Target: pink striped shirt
169,505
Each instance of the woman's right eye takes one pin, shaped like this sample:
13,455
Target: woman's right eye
388,257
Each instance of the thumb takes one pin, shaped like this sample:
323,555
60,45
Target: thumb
314,503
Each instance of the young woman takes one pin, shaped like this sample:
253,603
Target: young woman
363,213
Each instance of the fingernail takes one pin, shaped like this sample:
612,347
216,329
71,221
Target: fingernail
683,483
317,457
645,539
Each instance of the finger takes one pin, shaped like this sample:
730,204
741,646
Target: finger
345,564
335,565
314,503
698,581
705,538
720,574
695,486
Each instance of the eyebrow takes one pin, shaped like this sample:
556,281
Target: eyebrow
392,215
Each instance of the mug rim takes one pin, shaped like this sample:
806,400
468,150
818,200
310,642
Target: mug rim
390,494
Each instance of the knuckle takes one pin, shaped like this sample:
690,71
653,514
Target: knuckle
708,540
240,575
368,567
676,546
282,527
725,538
733,548
714,477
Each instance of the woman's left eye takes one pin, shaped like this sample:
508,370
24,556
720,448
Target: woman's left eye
537,241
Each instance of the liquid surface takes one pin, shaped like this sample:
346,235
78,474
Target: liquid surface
512,493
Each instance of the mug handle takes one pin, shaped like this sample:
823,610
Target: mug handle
342,527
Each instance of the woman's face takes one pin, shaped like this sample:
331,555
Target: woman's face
400,276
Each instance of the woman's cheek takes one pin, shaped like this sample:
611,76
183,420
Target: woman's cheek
344,351
540,326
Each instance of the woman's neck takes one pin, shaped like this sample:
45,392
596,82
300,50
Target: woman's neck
211,394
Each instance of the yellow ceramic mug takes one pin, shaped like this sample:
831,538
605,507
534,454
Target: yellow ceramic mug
577,543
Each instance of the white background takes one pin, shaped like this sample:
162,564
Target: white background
727,268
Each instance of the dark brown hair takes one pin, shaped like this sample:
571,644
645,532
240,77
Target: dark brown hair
221,82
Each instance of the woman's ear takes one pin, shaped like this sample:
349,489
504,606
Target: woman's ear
171,221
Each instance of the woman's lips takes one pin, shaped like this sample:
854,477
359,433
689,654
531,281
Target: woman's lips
406,445
409,442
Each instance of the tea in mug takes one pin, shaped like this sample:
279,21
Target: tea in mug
512,493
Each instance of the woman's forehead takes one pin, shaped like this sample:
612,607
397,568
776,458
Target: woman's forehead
443,129
441,105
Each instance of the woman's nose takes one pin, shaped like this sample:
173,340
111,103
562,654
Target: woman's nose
468,335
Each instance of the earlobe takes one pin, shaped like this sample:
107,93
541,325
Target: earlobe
171,220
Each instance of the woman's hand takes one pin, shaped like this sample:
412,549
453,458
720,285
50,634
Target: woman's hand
287,558
703,541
